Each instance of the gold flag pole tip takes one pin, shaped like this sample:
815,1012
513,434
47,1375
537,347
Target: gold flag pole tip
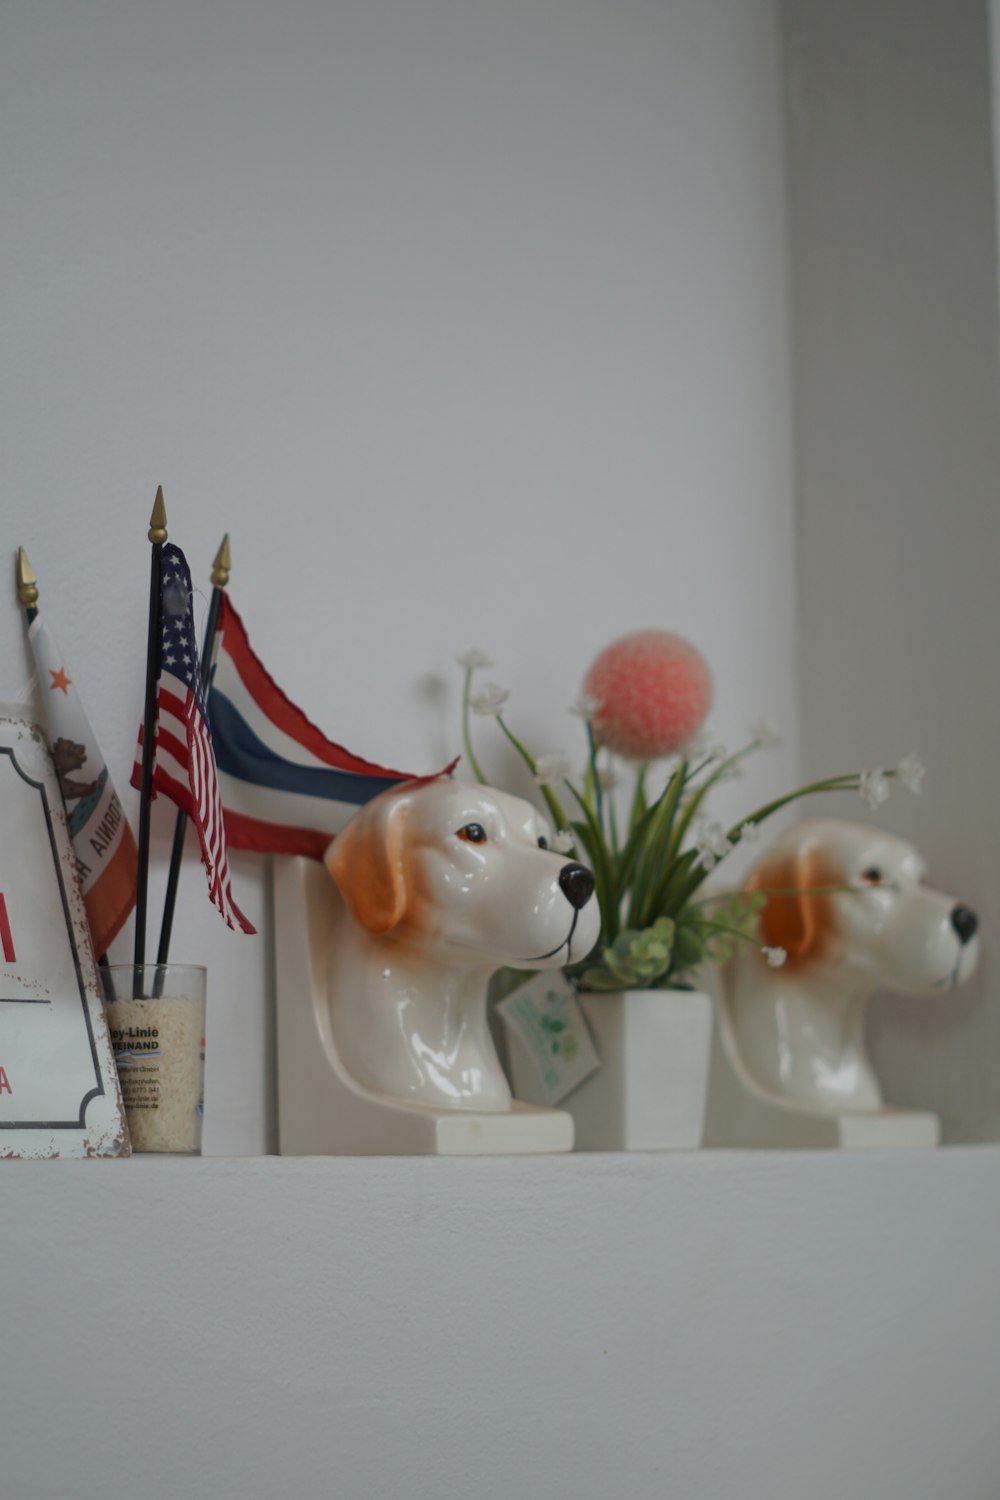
27,583
223,564
158,520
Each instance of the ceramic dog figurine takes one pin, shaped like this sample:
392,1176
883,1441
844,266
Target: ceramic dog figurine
439,884
856,918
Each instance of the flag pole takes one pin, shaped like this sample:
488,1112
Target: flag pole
157,536
221,568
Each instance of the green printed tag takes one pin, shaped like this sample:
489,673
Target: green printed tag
549,1043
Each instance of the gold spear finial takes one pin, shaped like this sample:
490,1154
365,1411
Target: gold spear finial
158,520
27,583
222,566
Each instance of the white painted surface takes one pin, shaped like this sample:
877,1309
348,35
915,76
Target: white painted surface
468,320
897,390
696,1326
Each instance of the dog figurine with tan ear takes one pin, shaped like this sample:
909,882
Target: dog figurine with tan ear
848,907
439,884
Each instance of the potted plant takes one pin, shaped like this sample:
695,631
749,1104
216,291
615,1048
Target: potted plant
645,700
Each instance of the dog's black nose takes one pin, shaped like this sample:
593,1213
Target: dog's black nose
965,922
577,884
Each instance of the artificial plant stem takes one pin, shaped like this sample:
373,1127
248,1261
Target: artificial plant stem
831,784
638,798
848,783
727,927
795,890
602,869
592,756
687,817
664,886
475,767
629,856
659,835
551,800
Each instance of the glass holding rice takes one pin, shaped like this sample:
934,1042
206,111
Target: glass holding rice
156,1018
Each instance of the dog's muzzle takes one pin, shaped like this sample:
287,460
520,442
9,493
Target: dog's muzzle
577,885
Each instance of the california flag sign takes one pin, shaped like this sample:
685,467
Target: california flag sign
102,839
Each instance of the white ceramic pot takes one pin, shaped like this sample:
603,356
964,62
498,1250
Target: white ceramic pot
651,1090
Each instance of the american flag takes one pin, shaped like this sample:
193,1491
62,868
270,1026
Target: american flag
183,759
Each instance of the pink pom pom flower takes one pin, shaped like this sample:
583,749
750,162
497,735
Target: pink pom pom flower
654,692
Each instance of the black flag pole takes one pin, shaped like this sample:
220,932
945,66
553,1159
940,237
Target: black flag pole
157,536
221,569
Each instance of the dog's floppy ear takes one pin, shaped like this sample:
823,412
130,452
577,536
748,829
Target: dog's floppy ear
800,922
367,863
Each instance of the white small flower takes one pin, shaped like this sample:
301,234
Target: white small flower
562,842
489,699
911,772
719,753
874,788
749,833
551,767
765,734
585,705
473,659
775,956
712,844
607,778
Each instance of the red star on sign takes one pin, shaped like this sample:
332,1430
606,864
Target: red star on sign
60,680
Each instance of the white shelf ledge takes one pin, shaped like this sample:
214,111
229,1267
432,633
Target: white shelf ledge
708,1324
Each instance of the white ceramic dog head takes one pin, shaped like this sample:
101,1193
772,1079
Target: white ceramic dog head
888,928
441,883
464,872
848,905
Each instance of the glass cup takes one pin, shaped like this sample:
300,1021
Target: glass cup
156,1018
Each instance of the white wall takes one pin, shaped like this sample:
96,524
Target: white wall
467,319
894,255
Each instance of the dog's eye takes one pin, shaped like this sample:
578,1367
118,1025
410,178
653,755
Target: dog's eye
543,843
473,833
873,875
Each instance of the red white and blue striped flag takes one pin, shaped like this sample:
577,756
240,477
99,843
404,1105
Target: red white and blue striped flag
286,788
184,766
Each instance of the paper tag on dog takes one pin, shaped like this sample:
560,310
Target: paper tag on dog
550,1047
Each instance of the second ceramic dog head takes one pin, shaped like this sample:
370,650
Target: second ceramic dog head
847,907
857,904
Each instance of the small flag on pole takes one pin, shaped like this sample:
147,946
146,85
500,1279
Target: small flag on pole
102,839
286,788
184,763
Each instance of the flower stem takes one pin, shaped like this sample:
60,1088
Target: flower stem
551,800
474,765
639,803
598,794
850,782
